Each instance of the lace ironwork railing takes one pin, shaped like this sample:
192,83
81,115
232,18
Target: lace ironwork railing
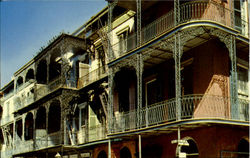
92,76
23,146
54,138
192,107
90,134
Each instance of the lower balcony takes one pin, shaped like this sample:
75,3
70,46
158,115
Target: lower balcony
192,107
94,133
23,146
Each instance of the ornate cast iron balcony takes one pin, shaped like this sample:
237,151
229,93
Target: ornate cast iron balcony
192,107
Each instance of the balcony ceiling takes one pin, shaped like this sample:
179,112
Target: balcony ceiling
131,4
159,54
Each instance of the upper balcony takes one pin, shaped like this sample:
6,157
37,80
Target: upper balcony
91,76
199,12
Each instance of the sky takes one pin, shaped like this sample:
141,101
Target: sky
27,25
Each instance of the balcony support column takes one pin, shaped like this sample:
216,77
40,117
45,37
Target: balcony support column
109,148
65,142
233,79
176,12
139,71
138,16
177,58
47,123
139,146
34,129
23,121
110,105
14,133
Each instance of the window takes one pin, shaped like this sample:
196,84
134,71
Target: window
82,114
243,89
242,80
123,41
239,14
153,91
101,57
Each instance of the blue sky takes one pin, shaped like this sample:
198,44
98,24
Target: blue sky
26,26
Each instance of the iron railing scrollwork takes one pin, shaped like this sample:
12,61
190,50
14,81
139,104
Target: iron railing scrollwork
192,107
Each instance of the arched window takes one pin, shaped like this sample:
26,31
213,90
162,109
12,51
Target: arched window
19,127
29,75
243,148
125,153
102,154
54,123
19,81
54,65
41,118
191,150
41,74
29,126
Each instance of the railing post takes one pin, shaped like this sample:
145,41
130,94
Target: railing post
176,12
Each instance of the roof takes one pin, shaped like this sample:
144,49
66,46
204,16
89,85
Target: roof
90,21
43,51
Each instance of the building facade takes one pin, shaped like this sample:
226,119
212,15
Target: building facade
140,79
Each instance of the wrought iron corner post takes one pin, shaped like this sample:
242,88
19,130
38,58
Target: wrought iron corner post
139,72
111,6
233,79
177,58
110,105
